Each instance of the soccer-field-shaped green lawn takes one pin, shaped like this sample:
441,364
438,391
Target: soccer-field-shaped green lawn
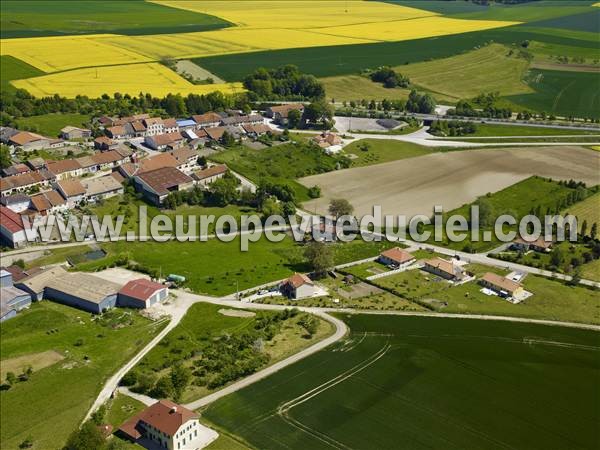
420,382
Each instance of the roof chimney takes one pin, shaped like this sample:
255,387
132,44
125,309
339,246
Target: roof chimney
173,409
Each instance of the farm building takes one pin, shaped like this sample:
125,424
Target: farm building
148,164
298,286
70,132
142,293
208,120
328,141
164,141
503,286
72,190
396,257
207,176
101,188
157,184
12,300
83,291
16,202
253,119
29,141
35,283
167,425
12,230
445,269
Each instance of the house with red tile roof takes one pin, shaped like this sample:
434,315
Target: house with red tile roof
167,425
142,293
396,257
12,231
298,286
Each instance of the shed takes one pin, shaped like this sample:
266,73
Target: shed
142,293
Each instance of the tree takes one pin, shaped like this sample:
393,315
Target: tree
319,256
486,212
294,118
164,388
314,192
227,139
98,415
556,258
86,438
27,443
270,207
340,207
317,112
594,231
584,227
5,159
180,377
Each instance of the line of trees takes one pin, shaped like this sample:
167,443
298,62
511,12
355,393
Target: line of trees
283,83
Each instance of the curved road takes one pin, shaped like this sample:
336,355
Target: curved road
186,299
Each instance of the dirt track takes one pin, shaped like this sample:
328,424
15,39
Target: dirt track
451,179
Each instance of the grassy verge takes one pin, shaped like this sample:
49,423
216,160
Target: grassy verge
366,152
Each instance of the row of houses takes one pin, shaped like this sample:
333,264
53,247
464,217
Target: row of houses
41,173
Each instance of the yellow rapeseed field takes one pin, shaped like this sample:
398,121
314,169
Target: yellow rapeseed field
51,54
153,78
260,25
299,14
413,28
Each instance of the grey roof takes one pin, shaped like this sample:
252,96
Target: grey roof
85,286
14,199
38,281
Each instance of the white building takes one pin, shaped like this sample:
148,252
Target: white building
167,425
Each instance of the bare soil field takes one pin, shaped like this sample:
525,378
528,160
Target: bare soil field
37,361
451,179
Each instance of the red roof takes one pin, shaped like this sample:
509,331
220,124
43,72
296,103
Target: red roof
163,415
10,220
299,279
141,289
397,255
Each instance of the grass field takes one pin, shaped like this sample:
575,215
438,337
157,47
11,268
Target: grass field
153,78
586,21
588,210
51,124
562,93
201,331
530,12
14,69
383,150
91,17
280,164
408,376
357,87
45,412
219,268
488,69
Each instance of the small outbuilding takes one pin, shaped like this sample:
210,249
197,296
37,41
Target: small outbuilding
298,286
142,293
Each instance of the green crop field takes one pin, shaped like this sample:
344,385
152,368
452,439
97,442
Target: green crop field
530,12
53,402
490,129
51,124
32,18
493,68
587,21
14,69
352,59
428,383
563,93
